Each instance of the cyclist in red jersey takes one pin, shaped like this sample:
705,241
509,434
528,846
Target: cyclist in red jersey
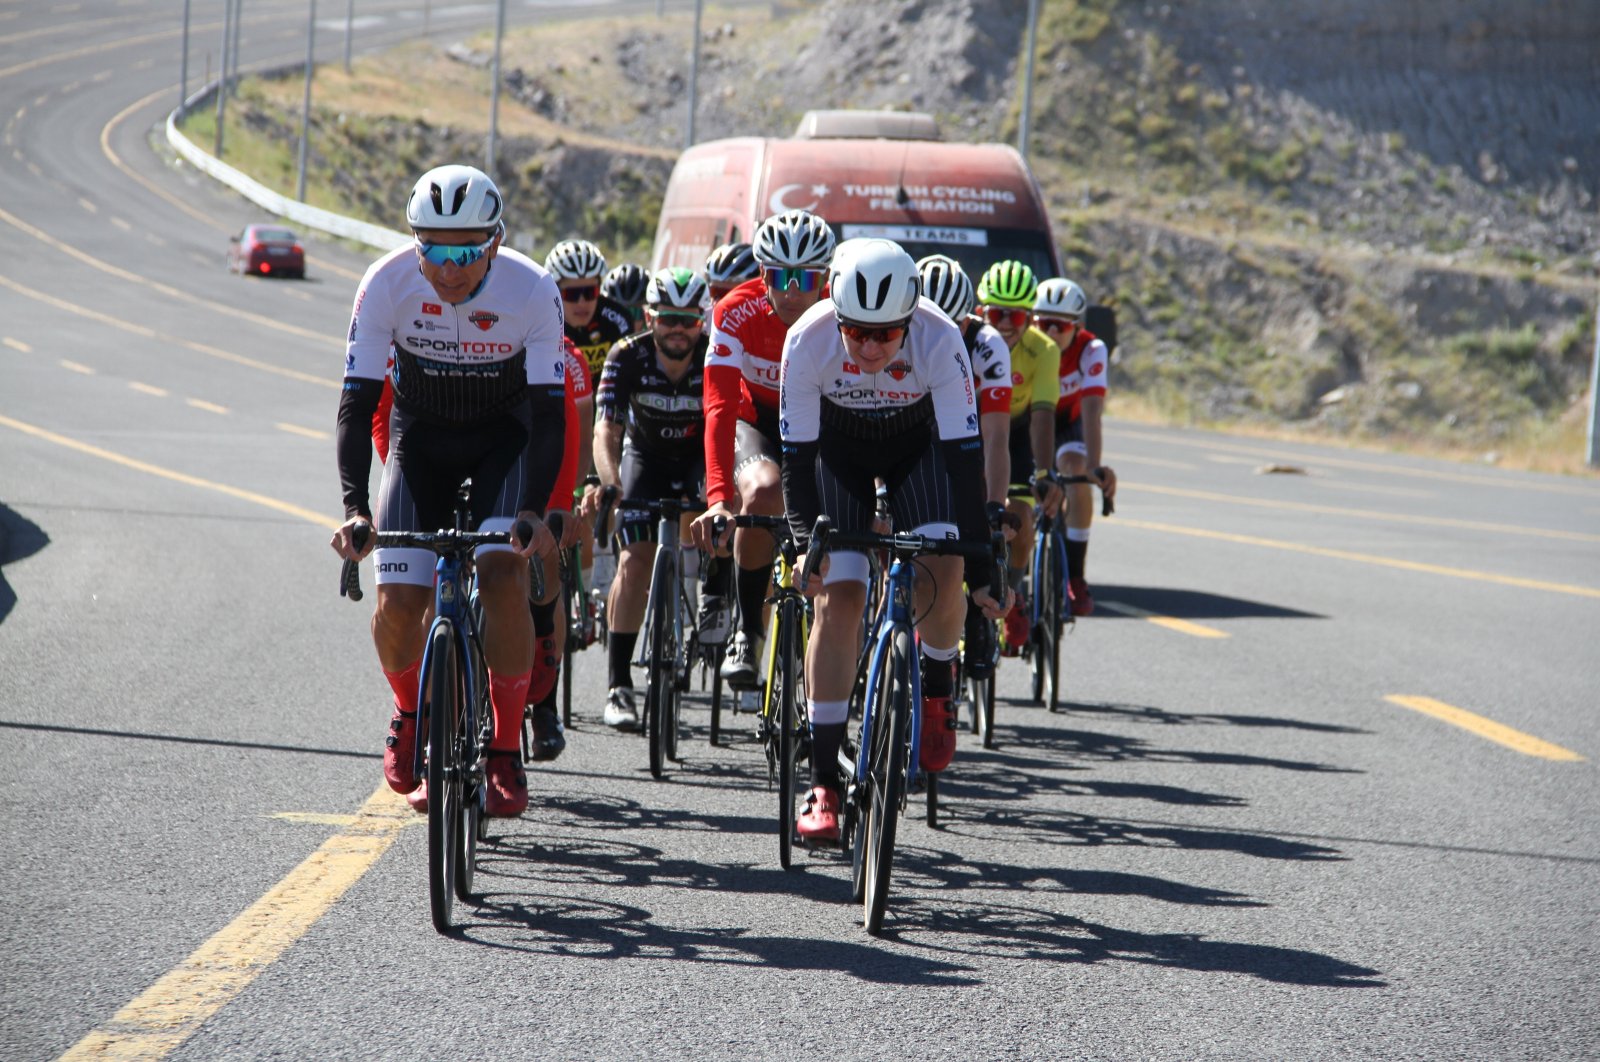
741,402
1058,311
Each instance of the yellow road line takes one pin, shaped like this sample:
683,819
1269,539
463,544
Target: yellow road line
1485,728
173,1009
150,333
314,818
1365,514
209,407
1171,623
17,344
1366,558
166,473
77,367
1267,452
295,429
144,388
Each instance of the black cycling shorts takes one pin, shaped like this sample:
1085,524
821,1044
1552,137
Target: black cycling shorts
646,477
920,496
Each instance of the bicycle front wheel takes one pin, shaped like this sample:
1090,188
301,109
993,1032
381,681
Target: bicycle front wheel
663,655
886,778
445,710
785,706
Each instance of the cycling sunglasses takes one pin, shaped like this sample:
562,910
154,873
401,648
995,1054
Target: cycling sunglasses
460,254
673,319
1014,316
582,293
1056,324
787,278
872,333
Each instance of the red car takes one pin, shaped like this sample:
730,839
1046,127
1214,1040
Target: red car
268,251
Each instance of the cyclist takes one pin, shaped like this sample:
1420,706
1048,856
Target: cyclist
947,284
741,438
593,322
625,286
877,385
649,446
1006,294
478,390
729,266
1058,311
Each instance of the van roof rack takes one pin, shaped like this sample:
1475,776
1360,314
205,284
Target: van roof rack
868,125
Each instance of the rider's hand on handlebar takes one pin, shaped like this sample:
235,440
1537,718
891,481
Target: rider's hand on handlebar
343,539
814,586
565,527
1108,481
543,542
1048,493
992,608
701,530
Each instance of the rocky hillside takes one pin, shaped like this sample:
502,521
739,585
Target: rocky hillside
1369,218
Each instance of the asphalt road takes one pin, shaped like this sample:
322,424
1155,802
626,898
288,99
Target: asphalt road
1232,845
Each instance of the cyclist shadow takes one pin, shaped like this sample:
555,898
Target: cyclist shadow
995,775
599,929
19,538
965,927
1188,604
1145,713
1096,747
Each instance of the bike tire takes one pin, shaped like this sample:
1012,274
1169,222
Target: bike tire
931,783
887,772
985,700
1050,625
477,729
444,813
661,680
716,699
787,716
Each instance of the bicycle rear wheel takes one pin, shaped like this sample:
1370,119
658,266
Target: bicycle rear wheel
444,710
662,684
886,778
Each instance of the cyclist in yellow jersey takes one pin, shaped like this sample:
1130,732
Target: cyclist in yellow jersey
1005,298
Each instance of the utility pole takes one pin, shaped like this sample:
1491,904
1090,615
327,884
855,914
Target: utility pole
305,106
1027,78
238,23
222,73
494,89
694,72
1594,397
183,76
349,25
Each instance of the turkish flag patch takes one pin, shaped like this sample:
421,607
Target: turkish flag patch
483,319
432,309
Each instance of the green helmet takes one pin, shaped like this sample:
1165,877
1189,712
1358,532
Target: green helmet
676,288
1008,283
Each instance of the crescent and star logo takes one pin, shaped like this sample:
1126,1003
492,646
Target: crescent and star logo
483,319
780,198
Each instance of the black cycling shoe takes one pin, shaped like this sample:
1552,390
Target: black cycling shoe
978,658
548,739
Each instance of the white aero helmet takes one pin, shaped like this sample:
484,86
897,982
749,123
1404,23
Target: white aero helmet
875,284
575,260
796,239
946,283
1060,297
455,197
676,288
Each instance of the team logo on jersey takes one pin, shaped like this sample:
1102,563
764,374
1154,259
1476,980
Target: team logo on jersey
852,368
994,372
483,319
432,309
1096,369
1016,379
897,369
972,422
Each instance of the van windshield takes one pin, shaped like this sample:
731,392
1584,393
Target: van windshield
1028,247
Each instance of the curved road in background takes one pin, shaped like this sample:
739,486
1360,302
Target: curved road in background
1326,787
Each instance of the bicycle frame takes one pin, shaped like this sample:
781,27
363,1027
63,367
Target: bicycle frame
452,601
894,613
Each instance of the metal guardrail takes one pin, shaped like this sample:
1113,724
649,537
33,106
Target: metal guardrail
264,197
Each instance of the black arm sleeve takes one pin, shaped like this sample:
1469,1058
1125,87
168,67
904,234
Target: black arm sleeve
357,403
547,441
800,499
963,461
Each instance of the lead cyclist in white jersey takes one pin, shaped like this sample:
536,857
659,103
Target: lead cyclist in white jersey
876,384
479,380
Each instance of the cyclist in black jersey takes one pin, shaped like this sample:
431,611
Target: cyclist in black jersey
593,322
649,444
479,393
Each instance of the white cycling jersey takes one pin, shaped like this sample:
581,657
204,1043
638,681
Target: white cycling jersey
930,378
461,362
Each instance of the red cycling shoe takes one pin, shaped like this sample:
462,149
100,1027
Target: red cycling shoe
400,752
1082,600
819,822
508,785
938,746
418,798
1019,623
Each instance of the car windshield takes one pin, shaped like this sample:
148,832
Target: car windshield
276,236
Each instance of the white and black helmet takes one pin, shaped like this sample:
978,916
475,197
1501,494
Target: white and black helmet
796,239
1061,298
455,197
625,284
676,288
876,284
946,283
732,263
575,260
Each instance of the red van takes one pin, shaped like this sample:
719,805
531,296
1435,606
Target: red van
868,173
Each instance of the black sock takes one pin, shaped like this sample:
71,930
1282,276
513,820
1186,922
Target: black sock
937,678
716,576
544,617
1076,554
752,598
825,741
619,656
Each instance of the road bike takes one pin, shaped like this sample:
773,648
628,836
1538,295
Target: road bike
453,707
667,641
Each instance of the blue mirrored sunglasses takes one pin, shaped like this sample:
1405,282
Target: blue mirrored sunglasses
462,255
780,278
